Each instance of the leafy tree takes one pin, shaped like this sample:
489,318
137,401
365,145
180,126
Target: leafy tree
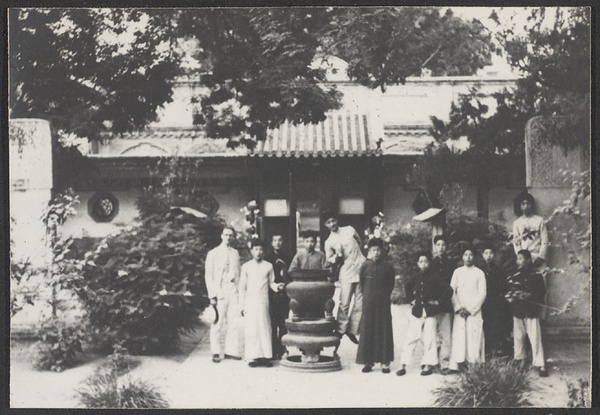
67,67
384,46
95,70
554,53
553,56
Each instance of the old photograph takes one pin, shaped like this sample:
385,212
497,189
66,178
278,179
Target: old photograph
300,207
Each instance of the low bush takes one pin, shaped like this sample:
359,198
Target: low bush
105,389
496,383
60,344
145,285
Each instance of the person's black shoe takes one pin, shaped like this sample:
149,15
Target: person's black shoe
267,363
367,368
228,356
543,372
401,372
426,371
445,371
253,363
216,358
352,338
452,372
385,370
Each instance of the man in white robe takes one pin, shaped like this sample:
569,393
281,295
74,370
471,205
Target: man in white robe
256,277
222,276
469,289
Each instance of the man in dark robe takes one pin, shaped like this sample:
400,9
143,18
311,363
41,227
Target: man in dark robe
442,266
497,319
377,277
279,307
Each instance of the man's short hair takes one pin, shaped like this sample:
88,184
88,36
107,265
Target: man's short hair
486,247
525,253
277,234
440,238
258,242
425,254
328,214
309,234
375,242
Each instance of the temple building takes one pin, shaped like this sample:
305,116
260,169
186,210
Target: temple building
356,162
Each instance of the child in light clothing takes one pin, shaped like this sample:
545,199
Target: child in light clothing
469,292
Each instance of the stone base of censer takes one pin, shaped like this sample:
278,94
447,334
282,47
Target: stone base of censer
312,326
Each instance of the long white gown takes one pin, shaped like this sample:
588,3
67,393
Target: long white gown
255,279
468,341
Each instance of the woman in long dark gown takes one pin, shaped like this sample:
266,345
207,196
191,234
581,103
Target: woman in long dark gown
376,344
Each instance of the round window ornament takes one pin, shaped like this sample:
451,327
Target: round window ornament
103,207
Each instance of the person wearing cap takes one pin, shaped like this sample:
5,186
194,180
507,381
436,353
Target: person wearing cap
279,302
377,279
443,267
343,245
222,271
256,277
308,258
529,230
469,290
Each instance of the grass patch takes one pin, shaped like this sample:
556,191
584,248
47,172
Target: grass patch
496,383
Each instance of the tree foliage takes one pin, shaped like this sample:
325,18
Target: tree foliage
91,70
553,55
95,70
384,46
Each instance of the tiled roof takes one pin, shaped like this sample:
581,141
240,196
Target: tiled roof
340,135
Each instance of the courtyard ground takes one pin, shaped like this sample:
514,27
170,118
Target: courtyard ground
189,379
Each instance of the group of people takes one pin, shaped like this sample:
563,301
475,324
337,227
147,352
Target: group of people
459,313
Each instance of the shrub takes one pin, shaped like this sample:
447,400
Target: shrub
495,383
145,284
60,344
104,389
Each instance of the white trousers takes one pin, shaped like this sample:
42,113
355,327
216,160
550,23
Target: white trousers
468,342
349,321
444,327
227,326
528,327
425,329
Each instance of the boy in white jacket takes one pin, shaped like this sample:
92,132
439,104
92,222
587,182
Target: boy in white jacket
469,291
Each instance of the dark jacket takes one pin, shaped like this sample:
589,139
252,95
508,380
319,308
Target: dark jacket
425,287
526,281
497,286
280,262
443,267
